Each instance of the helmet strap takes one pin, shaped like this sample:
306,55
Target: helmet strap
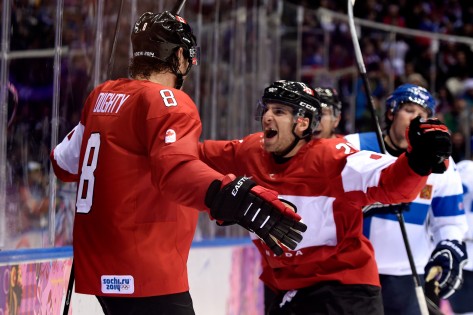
179,80
180,76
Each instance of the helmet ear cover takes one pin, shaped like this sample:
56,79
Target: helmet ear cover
303,99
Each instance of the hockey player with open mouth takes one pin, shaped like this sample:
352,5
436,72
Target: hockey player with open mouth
333,270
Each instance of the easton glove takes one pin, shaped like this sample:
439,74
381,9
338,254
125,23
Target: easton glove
451,257
257,209
429,146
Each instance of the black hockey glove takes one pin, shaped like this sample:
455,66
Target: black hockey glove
447,262
257,209
429,147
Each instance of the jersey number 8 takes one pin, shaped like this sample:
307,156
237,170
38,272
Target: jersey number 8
87,179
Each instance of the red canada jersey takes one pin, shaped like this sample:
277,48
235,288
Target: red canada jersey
134,155
329,181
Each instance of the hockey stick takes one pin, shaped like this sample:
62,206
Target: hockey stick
421,298
111,60
70,284
178,6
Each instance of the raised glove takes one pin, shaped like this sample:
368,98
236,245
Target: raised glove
451,257
429,146
257,209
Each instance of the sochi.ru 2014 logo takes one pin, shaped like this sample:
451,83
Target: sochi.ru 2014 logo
117,284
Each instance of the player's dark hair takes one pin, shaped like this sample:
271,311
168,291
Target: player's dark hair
146,66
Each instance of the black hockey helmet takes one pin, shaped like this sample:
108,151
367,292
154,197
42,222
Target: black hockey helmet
303,99
329,98
158,36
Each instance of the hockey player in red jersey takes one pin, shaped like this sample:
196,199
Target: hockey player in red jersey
134,155
333,270
331,113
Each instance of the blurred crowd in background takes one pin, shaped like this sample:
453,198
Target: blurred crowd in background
443,67
291,37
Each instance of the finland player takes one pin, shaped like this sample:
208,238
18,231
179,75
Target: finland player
134,155
333,270
461,301
437,212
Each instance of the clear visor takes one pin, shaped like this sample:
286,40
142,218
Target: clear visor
279,95
282,95
262,108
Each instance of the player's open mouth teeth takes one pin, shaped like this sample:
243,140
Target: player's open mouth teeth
269,133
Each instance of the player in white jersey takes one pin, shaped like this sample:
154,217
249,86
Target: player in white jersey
461,301
436,213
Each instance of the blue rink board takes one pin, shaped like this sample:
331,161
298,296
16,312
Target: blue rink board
35,254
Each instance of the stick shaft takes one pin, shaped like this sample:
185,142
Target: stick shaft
422,301
364,77
178,6
70,284
111,59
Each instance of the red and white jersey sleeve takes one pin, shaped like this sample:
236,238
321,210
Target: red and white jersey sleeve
329,181
65,157
134,155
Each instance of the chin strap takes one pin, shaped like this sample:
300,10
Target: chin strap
291,146
180,76
179,80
